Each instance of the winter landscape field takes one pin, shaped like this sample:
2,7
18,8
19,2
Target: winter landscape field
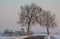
55,36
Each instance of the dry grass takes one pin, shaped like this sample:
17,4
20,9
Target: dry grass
35,37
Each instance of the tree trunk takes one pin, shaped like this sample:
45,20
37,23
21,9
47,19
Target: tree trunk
47,31
28,28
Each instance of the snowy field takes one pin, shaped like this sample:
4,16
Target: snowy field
56,36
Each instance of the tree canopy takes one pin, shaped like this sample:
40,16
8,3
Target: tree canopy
29,13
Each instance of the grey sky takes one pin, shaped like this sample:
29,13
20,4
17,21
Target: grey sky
9,12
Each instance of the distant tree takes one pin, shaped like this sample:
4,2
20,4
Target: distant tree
10,32
28,14
6,31
22,32
47,20
22,29
31,32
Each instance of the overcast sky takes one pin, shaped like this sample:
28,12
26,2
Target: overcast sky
9,13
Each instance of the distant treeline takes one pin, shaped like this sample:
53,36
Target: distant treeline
15,33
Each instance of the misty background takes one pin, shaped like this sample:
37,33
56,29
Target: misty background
9,13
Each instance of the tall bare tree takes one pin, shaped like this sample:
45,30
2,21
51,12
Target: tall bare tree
28,14
47,20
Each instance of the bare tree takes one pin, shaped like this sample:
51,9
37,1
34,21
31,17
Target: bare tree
28,14
47,20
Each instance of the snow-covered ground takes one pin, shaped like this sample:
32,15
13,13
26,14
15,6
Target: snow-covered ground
55,36
9,37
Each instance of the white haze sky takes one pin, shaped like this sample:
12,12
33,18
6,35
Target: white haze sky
9,13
